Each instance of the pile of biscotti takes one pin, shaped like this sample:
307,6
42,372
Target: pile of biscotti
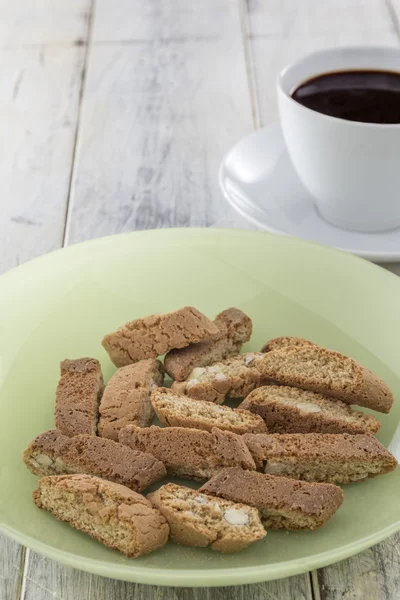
273,462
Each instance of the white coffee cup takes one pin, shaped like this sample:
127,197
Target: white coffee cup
352,169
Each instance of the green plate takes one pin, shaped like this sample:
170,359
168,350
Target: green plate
61,305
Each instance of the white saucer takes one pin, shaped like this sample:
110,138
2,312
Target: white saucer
258,180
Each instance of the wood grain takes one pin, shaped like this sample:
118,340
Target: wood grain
157,117
127,20
43,22
11,554
38,113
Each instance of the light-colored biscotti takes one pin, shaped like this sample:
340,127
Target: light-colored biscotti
235,377
199,520
234,330
78,395
326,372
329,457
282,502
287,409
174,410
52,453
156,334
191,453
285,342
126,398
111,513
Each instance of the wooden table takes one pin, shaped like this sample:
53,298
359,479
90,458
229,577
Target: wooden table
114,117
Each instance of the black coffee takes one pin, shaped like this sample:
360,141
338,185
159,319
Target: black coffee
365,96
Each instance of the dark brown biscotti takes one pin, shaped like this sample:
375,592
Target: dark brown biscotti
157,334
110,513
78,395
327,372
199,520
127,397
285,342
235,377
287,409
52,453
329,457
174,410
282,502
234,330
191,453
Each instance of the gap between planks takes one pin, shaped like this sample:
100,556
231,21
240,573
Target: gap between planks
22,574
89,32
249,62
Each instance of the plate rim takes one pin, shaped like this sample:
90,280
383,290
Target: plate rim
377,256
133,572
230,576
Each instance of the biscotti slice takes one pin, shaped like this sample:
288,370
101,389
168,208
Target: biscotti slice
235,377
179,411
329,457
53,453
111,513
292,410
191,453
126,398
199,520
285,342
234,330
327,372
78,395
282,502
156,334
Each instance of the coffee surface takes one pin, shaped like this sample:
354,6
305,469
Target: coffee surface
367,96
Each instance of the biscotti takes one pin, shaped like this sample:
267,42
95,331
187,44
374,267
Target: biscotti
174,410
292,410
327,372
52,453
156,334
285,342
282,502
126,398
199,520
235,377
234,330
329,457
78,395
191,453
111,513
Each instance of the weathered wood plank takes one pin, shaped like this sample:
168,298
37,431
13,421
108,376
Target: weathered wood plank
127,20
11,554
43,22
38,113
158,115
